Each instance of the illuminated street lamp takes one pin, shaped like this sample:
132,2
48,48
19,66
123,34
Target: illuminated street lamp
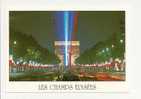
113,46
107,49
15,42
14,48
121,41
103,51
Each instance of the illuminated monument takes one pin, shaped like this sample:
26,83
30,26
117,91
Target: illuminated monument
72,52
66,46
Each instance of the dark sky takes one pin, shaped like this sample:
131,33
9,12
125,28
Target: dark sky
93,26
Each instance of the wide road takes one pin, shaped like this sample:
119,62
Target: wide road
102,76
54,76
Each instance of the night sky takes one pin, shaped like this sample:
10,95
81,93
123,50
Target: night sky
93,26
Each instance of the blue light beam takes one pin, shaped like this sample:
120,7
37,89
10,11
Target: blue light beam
66,31
64,21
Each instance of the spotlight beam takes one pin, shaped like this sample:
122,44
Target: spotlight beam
66,31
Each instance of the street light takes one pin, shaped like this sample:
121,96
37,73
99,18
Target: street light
113,46
121,41
107,49
103,51
15,42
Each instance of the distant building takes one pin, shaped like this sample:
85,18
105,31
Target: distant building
73,51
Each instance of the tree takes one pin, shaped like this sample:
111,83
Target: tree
25,47
114,47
